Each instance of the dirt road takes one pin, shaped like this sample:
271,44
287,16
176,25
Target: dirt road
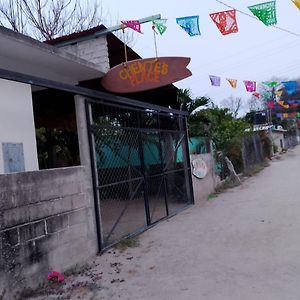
244,244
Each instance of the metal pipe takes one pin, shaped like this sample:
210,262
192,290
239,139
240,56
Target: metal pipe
104,32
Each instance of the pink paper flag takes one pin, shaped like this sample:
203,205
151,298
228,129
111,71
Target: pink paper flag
250,86
257,95
133,24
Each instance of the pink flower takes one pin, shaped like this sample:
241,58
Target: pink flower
56,275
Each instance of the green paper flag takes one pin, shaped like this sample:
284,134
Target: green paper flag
266,12
160,25
270,83
266,95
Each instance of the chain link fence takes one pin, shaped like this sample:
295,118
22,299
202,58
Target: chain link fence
142,170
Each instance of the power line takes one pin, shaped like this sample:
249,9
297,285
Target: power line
248,15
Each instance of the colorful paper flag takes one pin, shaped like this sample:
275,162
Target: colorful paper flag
189,24
257,95
298,114
265,12
278,115
278,93
133,24
290,102
233,83
277,106
281,103
225,21
266,95
160,25
290,86
297,3
270,104
293,115
270,83
285,115
215,80
250,86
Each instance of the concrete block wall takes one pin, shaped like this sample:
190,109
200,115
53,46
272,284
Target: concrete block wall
94,50
46,224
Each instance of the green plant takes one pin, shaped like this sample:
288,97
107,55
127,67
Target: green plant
275,148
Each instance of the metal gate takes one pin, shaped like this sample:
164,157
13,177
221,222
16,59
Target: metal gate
141,166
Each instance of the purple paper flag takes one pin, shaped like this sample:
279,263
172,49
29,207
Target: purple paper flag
215,80
278,115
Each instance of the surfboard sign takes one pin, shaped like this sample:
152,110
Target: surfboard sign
146,74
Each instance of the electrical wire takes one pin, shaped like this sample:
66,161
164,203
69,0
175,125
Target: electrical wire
233,61
248,15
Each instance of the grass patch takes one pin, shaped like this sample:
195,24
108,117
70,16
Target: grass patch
212,197
225,185
132,242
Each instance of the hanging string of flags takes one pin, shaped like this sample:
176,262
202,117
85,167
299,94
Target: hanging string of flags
281,105
226,21
292,115
249,85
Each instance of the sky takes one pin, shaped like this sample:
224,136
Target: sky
256,52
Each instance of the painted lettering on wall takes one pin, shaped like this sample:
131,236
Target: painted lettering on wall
144,71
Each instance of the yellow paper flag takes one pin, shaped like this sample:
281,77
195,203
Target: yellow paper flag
297,3
278,93
232,82
285,116
281,103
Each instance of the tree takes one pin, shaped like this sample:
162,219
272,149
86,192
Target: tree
48,19
223,129
233,104
256,104
187,103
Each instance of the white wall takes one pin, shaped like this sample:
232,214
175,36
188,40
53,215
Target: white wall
94,50
16,121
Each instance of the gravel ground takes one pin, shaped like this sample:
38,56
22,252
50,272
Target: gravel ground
243,244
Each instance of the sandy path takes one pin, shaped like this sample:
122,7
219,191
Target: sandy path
242,245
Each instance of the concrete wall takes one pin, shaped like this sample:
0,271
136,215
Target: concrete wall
205,186
276,137
94,51
16,121
45,225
